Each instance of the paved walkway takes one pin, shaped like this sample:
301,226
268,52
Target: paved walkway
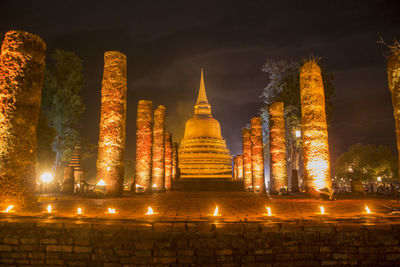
233,207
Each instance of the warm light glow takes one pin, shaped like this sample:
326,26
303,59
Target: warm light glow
379,179
79,211
216,211
298,133
322,209
49,208
108,168
9,208
111,211
101,183
154,185
149,211
318,169
269,211
46,177
367,209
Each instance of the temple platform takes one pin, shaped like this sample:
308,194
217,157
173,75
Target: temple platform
207,184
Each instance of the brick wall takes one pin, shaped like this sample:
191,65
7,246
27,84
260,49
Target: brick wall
113,243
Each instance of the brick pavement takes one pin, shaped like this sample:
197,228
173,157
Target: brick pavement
233,207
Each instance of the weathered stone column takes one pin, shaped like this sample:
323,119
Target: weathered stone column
175,161
315,131
157,173
257,155
240,167
110,156
144,144
248,173
168,160
22,62
69,180
277,147
393,71
235,177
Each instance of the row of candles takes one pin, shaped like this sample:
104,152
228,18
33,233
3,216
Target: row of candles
151,212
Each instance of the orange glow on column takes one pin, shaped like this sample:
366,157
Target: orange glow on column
144,143
257,155
314,128
247,169
277,146
168,161
158,174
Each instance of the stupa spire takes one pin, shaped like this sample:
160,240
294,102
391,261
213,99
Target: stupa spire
202,98
202,106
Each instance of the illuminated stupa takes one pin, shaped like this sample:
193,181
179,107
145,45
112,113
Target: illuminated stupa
203,152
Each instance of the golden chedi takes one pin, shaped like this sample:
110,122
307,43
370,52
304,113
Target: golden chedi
203,152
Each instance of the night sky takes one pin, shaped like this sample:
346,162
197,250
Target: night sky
168,42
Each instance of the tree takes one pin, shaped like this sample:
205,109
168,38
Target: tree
284,86
366,163
62,104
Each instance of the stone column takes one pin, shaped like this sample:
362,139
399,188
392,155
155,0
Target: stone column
144,144
315,131
22,62
110,156
157,172
393,71
277,147
257,155
235,168
240,167
69,180
168,160
175,161
248,174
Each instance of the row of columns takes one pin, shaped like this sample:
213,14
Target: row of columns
249,166
315,139
156,154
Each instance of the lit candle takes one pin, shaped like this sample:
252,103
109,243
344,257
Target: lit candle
111,211
149,211
367,209
49,208
216,211
269,211
322,209
9,209
79,211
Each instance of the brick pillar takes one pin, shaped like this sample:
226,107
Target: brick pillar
257,155
277,147
69,180
248,173
168,160
175,161
22,62
315,131
144,144
157,172
240,167
235,177
110,156
393,71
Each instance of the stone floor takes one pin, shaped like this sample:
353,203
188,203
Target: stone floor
233,207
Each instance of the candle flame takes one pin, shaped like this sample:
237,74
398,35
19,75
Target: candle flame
49,208
216,211
322,210
367,209
79,211
9,208
112,210
149,211
101,183
269,211
154,185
